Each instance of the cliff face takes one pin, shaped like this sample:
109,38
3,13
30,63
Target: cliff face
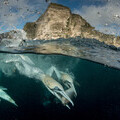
59,22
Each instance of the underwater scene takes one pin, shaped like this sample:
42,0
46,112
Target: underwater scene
97,88
59,59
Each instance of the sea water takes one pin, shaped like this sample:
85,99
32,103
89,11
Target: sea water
98,90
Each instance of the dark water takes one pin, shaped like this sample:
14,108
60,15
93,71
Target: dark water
98,96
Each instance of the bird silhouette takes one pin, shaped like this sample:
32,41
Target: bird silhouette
47,0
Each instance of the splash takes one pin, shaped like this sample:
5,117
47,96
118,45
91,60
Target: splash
37,67
12,38
40,63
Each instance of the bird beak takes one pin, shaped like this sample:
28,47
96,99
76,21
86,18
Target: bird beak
56,89
74,90
6,97
71,87
61,94
70,93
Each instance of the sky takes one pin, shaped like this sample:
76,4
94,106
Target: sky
104,15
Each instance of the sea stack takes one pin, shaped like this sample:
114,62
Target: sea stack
59,22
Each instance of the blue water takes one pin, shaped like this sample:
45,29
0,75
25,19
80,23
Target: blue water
98,95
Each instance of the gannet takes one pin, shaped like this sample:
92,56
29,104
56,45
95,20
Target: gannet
5,96
56,89
26,67
66,78
47,0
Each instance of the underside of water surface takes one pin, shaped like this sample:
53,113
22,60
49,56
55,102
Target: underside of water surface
98,89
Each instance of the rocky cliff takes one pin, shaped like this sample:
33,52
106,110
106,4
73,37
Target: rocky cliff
59,22
72,31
